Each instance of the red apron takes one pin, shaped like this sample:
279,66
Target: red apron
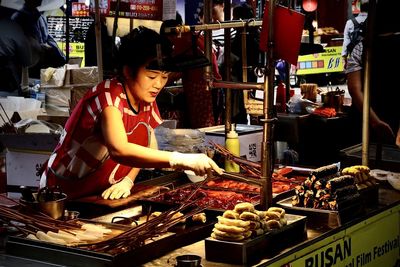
108,173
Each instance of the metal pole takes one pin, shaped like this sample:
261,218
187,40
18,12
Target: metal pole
244,54
266,156
67,35
99,49
227,64
214,26
207,41
237,85
366,82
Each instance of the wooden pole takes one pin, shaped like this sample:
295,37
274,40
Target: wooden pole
268,120
99,48
366,82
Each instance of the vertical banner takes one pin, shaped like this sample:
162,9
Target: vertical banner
288,27
363,245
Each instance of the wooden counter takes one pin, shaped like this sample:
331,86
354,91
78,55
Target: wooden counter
323,237
372,239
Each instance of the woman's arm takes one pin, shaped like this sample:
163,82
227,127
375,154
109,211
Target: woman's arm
124,152
354,85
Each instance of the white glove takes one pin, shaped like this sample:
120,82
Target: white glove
199,163
118,190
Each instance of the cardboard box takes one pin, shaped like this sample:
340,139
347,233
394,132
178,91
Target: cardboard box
68,75
250,138
25,155
23,167
57,96
85,75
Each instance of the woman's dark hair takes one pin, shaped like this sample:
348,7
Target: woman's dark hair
139,48
243,11
171,23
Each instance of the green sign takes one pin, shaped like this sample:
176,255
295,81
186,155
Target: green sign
374,242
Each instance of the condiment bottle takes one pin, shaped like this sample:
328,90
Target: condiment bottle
281,97
233,145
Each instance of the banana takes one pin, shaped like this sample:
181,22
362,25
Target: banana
362,168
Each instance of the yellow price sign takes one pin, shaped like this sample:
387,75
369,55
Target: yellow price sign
75,50
328,61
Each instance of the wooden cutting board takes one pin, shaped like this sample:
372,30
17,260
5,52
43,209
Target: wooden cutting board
139,191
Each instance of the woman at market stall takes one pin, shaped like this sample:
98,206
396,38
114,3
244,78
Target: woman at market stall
109,135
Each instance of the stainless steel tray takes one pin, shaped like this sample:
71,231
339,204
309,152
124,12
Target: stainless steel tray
252,250
75,256
329,218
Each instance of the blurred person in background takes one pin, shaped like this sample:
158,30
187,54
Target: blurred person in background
243,12
349,28
199,99
15,54
218,40
384,86
107,47
35,28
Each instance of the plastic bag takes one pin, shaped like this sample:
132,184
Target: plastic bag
28,124
181,140
298,105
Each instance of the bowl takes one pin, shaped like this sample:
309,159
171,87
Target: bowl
71,215
195,178
394,180
188,261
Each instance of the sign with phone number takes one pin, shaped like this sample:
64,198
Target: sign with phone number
328,61
139,9
374,242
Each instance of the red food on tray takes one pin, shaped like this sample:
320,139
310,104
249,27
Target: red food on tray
279,187
231,184
284,180
207,198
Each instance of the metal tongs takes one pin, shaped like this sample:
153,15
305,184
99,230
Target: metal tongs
237,177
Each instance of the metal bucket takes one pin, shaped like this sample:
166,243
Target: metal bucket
55,208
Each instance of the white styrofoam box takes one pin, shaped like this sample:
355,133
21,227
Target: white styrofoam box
22,167
250,138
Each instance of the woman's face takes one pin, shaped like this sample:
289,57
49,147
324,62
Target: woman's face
147,85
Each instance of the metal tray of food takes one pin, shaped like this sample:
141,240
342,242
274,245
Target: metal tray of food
253,250
250,191
180,235
331,218
218,199
385,157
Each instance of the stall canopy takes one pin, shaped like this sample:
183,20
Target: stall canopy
45,6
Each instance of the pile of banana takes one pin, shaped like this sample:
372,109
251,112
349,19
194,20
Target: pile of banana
361,176
244,222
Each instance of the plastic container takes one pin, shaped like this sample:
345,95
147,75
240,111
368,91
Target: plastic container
233,145
195,178
281,97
